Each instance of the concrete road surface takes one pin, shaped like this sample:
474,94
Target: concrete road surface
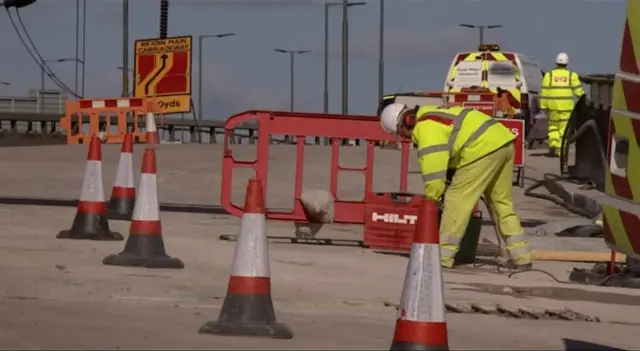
57,294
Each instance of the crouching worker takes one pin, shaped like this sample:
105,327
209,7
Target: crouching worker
480,151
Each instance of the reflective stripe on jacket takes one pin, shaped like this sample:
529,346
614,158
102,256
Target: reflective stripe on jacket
450,138
558,89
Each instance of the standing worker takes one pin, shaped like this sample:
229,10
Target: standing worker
480,151
556,100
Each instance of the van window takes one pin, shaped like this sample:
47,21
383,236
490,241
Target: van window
532,73
501,74
468,74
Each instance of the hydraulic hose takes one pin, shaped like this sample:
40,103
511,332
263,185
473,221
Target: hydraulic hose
575,203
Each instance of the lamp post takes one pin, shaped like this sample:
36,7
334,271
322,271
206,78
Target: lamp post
326,48
292,54
381,53
84,43
125,48
4,83
481,29
127,71
345,58
60,60
201,39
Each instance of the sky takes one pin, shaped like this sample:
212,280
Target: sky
243,72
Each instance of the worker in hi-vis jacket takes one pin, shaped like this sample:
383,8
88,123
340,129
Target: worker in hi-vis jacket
480,152
559,86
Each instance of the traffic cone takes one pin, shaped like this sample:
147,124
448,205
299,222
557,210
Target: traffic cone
145,246
90,221
247,309
152,130
123,193
421,321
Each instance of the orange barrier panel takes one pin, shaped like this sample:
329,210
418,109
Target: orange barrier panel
100,115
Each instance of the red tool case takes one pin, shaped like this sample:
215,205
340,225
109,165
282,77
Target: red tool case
390,222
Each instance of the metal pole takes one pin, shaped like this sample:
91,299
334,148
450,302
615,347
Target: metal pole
381,53
345,58
77,68
292,80
200,41
125,48
326,59
84,43
42,77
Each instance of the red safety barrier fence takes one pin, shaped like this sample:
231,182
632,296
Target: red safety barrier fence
335,127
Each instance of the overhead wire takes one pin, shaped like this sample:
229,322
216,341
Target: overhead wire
38,60
42,62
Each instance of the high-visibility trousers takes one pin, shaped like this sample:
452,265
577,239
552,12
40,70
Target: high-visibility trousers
491,176
556,126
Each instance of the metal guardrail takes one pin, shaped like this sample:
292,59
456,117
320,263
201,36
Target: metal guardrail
49,124
600,91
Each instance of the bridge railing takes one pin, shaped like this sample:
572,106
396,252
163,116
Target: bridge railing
169,128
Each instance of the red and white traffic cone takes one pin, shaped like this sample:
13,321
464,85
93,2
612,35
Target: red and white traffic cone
90,221
152,130
247,309
123,193
145,246
421,321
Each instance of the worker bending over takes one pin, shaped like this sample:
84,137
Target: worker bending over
556,100
480,151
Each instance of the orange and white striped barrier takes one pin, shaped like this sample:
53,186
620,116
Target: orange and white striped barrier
90,221
247,309
145,246
123,193
421,321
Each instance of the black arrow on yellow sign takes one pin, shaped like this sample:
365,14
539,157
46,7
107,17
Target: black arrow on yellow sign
158,72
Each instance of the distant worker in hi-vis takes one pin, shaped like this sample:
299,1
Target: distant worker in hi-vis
479,150
558,88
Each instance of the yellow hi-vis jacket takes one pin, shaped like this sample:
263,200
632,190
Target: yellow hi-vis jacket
557,90
450,138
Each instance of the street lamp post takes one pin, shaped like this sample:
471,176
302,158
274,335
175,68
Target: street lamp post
326,48
128,70
42,75
68,59
292,54
481,29
345,58
125,48
84,43
200,41
381,53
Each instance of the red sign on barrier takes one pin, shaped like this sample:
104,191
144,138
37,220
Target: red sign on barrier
516,126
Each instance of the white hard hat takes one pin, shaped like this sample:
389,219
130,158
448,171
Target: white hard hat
389,117
562,58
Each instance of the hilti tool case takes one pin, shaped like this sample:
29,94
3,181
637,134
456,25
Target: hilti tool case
390,220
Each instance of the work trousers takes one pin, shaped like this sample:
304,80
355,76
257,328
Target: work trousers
491,176
556,125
